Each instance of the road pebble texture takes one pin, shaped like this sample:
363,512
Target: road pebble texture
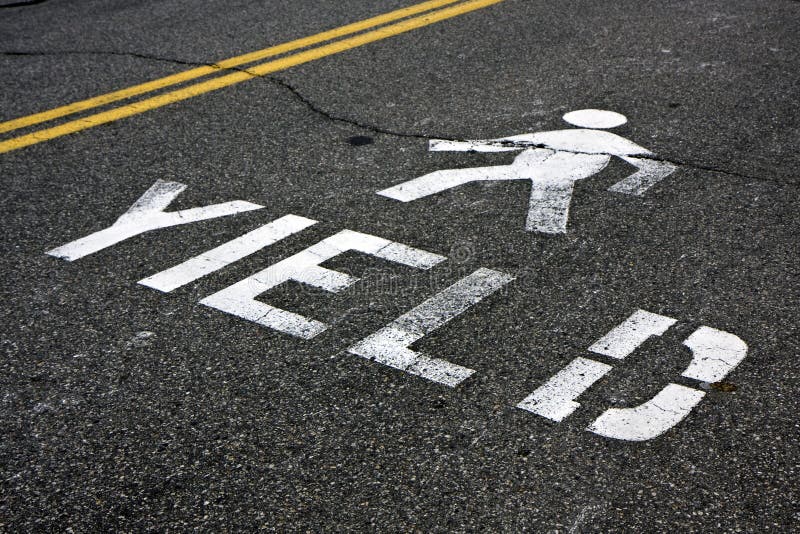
126,409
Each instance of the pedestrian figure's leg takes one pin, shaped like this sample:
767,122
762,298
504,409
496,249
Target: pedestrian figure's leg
552,176
549,206
649,174
552,182
439,181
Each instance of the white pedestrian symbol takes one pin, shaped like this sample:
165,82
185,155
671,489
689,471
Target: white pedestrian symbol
553,161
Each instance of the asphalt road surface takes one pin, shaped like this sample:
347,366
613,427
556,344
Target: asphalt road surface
654,336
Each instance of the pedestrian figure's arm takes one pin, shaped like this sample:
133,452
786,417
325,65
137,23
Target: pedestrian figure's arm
503,144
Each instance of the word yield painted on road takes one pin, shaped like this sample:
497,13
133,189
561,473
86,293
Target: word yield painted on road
552,161
388,346
715,353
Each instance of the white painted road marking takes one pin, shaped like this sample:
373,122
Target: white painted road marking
714,354
578,141
595,118
552,175
627,337
304,267
649,174
227,253
147,214
553,161
650,419
555,399
389,345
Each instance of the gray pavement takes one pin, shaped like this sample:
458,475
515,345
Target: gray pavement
127,409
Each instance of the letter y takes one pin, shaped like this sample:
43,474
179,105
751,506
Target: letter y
147,214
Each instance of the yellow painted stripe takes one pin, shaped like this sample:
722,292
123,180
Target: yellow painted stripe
192,74
238,77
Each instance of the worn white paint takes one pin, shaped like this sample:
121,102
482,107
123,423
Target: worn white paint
552,175
714,354
227,253
389,345
304,267
628,336
145,215
553,161
551,188
595,118
649,173
569,140
555,399
478,145
650,419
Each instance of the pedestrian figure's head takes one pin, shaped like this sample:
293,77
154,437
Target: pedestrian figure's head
595,118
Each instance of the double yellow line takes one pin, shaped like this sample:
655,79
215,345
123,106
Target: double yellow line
415,16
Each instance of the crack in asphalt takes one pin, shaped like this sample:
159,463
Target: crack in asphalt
25,3
717,360
666,410
352,122
375,129
315,108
